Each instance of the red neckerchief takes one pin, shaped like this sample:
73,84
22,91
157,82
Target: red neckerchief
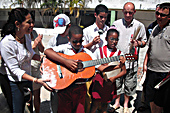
112,52
105,52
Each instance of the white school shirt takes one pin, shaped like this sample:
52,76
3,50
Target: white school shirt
125,33
90,33
52,42
108,53
67,49
16,59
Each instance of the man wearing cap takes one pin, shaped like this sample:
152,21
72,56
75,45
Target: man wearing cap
61,27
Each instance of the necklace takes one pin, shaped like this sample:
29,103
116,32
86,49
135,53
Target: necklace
19,39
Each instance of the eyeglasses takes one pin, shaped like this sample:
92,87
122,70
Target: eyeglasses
161,14
76,41
130,13
113,39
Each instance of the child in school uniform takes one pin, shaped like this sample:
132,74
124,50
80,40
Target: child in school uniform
72,98
103,87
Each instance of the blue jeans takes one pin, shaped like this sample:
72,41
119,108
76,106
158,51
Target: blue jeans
18,102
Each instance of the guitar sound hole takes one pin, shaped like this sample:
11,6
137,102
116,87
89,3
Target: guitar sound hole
80,66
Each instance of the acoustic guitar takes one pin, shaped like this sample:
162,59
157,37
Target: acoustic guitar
61,77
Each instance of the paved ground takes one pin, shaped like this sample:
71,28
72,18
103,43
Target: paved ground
45,95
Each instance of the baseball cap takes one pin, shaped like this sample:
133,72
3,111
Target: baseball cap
60,22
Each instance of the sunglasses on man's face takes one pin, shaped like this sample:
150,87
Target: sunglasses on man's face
126,12
161,14
76,41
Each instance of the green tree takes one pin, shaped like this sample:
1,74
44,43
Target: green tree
49,8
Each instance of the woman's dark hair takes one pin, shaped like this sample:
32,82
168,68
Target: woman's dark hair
17,14
112,31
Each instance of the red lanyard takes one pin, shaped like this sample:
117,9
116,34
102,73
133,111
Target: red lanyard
112,52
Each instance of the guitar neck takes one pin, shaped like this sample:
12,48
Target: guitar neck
100,61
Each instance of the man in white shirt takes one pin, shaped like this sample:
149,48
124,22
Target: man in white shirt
128,27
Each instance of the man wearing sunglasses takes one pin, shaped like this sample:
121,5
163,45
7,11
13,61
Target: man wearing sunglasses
152,25
128,27
159,62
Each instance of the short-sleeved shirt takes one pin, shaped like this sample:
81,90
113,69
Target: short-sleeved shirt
57,40
125,34
68,50
104,53
16,58
90,33
159,44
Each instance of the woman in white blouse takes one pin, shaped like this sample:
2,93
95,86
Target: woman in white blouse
17,52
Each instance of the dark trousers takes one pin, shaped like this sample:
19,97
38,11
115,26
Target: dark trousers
6,89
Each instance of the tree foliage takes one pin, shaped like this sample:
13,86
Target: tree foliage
49,8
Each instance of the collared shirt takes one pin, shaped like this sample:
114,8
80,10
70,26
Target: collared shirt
159,45
68,50
57,40
90,33
125,34
16,59
108,53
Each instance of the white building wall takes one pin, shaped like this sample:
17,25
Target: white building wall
118,4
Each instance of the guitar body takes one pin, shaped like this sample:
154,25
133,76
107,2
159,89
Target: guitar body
52,71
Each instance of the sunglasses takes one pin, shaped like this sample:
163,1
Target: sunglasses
161,14
76,41
113,39
130,13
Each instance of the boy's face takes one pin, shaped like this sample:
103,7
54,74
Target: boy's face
76,41
101,18
112,40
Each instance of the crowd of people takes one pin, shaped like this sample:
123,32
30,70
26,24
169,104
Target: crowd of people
103,83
